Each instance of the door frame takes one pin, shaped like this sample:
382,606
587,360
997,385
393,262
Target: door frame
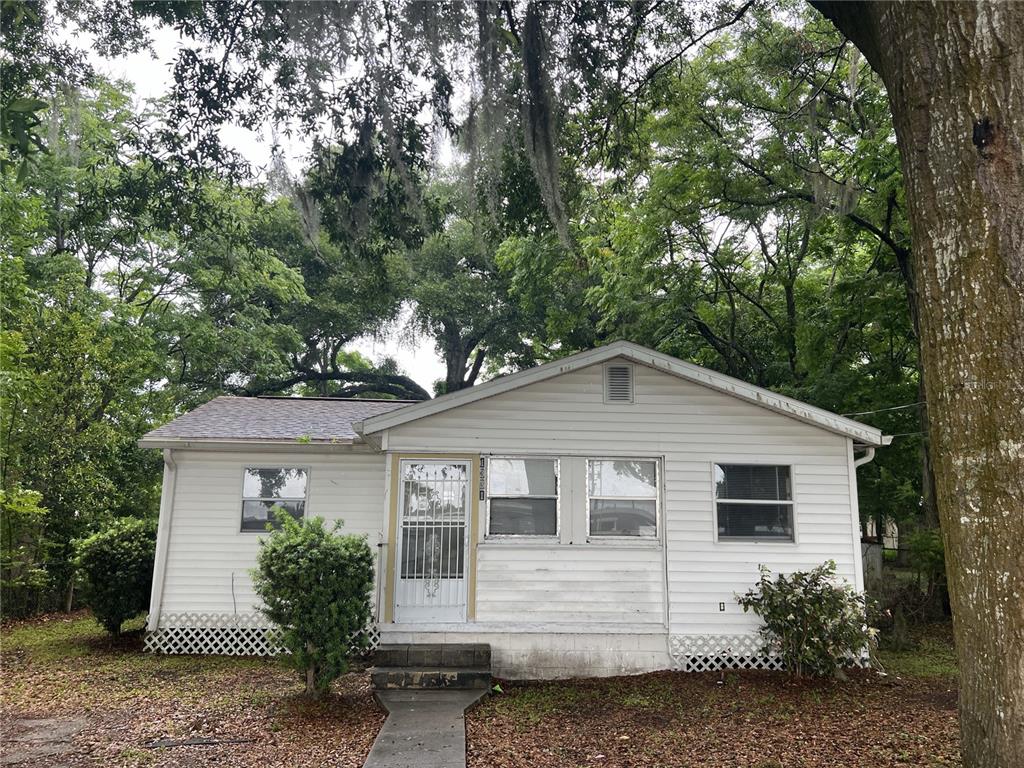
394,466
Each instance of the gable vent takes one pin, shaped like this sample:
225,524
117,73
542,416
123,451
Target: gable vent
618,384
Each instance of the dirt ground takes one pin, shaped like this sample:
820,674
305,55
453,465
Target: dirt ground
108,703
69,696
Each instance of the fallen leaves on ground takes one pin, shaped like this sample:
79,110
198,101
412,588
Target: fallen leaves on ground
739,720
66,667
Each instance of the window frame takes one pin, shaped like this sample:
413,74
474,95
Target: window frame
546,538
241,507
792,501
626,538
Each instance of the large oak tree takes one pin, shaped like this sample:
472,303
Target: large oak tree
955,76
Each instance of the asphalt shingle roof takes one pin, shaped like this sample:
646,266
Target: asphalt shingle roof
273,418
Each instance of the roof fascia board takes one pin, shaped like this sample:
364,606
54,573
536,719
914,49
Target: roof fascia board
259,446
787,406
720,382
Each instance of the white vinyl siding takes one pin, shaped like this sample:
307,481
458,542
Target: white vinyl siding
688,427
209,558
536,584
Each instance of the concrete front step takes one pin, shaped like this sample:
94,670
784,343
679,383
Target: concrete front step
426,678
433,655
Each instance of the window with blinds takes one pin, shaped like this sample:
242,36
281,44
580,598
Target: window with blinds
754,502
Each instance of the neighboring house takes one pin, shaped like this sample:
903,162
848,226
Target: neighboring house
596,515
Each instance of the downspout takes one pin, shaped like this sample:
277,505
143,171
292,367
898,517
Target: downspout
855,533
163,537
858,553
867,458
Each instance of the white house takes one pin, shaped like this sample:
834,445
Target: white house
595,515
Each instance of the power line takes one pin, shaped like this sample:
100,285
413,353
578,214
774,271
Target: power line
883,410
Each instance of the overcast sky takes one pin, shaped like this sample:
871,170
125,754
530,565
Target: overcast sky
151,75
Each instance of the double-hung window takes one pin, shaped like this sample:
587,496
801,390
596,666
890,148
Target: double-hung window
754,502
267,490
623,497
522,496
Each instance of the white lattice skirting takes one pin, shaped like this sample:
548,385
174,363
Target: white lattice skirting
710,653
224,634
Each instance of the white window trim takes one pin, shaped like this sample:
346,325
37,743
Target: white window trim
626,539
244,498
540,538
741,540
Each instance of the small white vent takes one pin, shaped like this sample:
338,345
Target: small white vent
618,384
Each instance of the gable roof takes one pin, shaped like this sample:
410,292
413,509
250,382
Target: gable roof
764,398
270,419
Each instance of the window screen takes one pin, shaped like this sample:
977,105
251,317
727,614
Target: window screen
623,497
754,501
266,490
523,497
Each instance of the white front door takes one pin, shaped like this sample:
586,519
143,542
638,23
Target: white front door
433,541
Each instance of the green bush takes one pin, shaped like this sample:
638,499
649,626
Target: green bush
315,586
816,625
116,565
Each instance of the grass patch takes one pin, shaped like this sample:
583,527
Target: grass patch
932,655
74,658
67,636
533,703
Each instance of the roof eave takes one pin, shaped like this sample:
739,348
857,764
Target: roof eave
720,382
250,444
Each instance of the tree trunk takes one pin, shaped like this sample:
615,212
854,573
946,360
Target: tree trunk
929,512
955,77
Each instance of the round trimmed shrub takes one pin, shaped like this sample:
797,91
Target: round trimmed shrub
116,565
816,624
316,587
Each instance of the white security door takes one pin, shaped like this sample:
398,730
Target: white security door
433,541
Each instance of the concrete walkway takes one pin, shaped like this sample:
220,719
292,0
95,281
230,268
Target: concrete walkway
30,740
424,729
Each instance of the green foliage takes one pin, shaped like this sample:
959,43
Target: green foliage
816,625
913,597
134,289
461,299
22,550
756,226
116,565
927,554
315,586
